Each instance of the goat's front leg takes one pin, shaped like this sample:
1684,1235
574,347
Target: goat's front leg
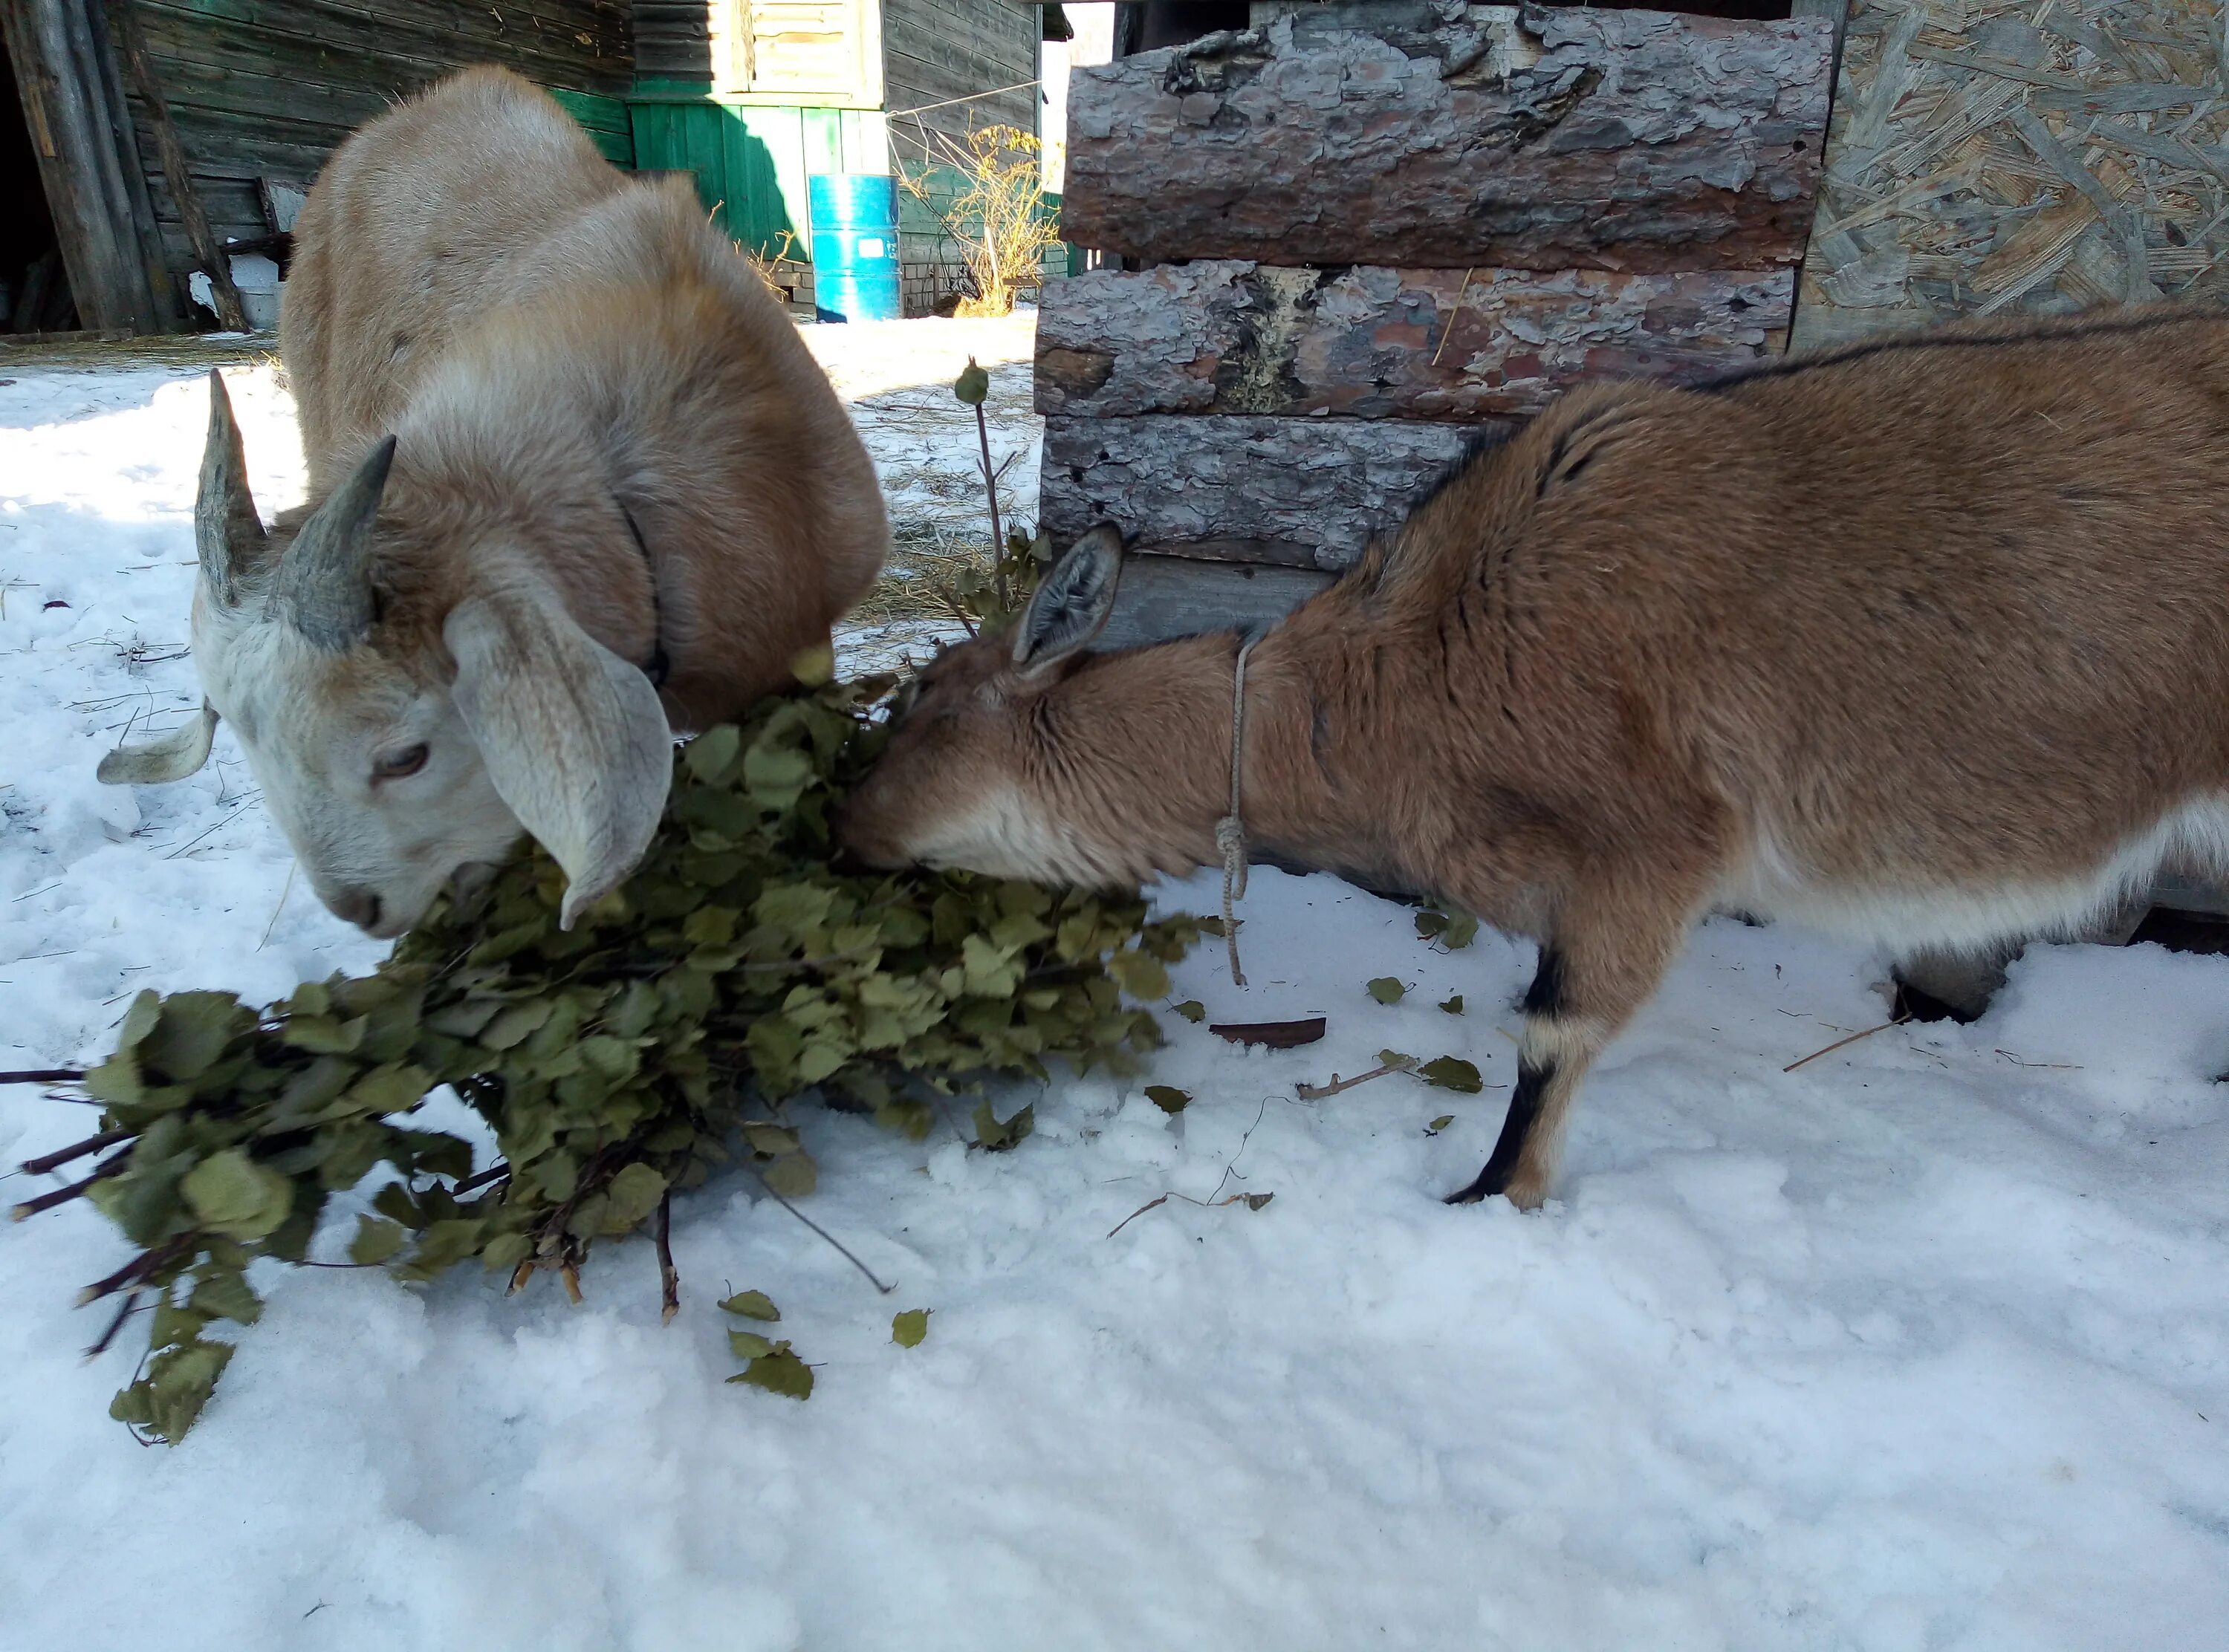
1606,951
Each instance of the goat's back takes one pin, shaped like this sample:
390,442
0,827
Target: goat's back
1957,603
405,238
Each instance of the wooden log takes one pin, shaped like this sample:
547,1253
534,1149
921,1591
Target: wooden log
131,47
1230,337
1546,139
1305,493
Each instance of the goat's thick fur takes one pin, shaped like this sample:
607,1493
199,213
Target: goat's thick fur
549,339
576,482
1925,641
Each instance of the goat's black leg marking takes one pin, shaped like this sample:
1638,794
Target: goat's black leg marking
1544,1002
1516,1126
1545,997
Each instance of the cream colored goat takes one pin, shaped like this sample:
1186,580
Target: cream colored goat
1926,641
574,482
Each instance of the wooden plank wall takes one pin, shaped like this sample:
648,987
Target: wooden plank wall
1987,157
1367,233
946,52
269,87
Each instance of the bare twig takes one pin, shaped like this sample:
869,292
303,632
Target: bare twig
44,1075
1251,1201
45,1202
285,889
478,1179
62,1155
823,1232
669,1279
101,1343
145,1265
1318,1091
1454,316
1840,1042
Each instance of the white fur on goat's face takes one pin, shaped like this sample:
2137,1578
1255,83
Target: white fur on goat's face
386,779
318,727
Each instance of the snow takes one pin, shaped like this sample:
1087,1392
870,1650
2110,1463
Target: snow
1922,1345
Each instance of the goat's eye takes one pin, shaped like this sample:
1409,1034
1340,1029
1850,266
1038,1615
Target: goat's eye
395,765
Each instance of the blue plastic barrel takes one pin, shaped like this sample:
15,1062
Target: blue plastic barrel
855,245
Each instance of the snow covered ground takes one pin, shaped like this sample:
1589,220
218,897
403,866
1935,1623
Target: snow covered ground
1924,1344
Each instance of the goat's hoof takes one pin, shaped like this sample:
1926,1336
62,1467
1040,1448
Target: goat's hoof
1526,1192
1479,1191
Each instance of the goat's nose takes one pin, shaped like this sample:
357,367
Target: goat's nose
357,906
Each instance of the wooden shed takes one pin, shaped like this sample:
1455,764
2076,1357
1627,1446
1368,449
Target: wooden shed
242,99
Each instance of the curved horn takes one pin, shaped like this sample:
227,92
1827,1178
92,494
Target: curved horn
325,578
169,757
228,534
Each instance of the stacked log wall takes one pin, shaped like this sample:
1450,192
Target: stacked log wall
1363,235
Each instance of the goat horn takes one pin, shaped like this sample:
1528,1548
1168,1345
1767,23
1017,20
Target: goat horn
228,534
325,578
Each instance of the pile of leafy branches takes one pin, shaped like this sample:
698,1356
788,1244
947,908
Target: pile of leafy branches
666,1036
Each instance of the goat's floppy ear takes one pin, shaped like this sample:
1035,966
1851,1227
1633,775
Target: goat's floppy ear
573,736
1072,602
170,756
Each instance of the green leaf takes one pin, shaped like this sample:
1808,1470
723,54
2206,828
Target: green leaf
779,1373
322,1035
443,1245
775,775
1453,1006
1395,1059
226,1296
139,1020
907,1329
179,1381
815,666
1139,974
708,756
1439,1124
996,1136
792,1176
750,1345
752,1304
1452,1072
190,1034
990,972
1388,989
1192,1010
1167,1098
973,384
233,1195
635,1192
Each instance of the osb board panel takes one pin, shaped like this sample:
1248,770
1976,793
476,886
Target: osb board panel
1986,157
1540,139
1232,336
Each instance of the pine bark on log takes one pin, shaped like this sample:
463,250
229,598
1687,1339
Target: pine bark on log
1231,336
1296,492
1547,138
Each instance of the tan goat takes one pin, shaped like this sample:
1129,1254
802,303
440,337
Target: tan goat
575,481
1926,641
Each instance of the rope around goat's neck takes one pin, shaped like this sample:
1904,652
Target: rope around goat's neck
1230,830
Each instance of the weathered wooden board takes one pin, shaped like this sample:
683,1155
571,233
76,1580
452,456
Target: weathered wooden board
1304,493
1549,138
1987,157
1231,336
